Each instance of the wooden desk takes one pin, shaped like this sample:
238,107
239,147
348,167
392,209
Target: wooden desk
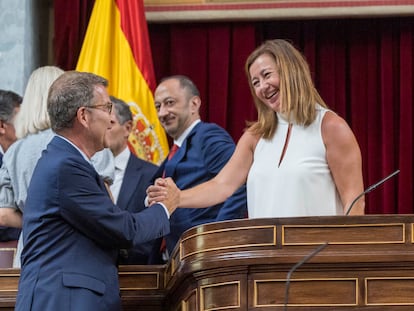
7,253
243,265
368,264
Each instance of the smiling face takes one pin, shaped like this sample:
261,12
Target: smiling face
265,81
177,109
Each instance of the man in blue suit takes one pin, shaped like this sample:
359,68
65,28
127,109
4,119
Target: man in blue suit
204,148
72,229
132,177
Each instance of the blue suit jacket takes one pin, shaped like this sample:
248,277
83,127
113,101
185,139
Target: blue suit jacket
72,234
137,178
204,152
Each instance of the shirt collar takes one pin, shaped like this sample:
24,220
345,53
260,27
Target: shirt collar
121,160
179,141
76,147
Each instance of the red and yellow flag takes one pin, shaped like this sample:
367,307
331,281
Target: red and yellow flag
116,47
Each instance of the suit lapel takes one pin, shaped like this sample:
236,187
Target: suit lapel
171,165
129,183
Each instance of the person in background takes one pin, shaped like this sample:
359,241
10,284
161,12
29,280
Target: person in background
33,131
204,148
298,159
132,177
70,256
9,107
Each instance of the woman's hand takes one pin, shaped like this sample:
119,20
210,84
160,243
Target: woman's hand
158,192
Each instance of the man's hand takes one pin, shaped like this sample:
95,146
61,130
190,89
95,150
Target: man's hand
164,191
10,217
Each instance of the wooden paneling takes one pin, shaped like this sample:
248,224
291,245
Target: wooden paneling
247,265
386,291
365,256
223,295
227,238
344,234
307,292
7,253
9,280
190,302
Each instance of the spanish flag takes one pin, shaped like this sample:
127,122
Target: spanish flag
116,47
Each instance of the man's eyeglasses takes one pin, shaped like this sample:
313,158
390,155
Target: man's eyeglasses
107,106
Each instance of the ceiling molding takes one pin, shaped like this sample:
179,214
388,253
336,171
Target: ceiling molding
216,10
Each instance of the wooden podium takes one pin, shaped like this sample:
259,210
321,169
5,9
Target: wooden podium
368,264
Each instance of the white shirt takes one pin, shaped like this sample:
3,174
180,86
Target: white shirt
179,141
121,161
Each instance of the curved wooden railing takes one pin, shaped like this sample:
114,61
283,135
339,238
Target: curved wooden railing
243,265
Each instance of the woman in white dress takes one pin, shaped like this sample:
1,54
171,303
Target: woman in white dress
298,159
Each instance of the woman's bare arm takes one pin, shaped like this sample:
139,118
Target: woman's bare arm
10,217
344,160
219,188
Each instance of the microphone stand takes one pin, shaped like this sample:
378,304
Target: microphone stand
322,246
305,259
369,189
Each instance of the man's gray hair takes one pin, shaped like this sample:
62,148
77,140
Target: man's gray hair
68,93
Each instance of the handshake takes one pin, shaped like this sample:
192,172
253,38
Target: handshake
164,191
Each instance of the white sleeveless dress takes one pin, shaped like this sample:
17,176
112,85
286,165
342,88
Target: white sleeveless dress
302,185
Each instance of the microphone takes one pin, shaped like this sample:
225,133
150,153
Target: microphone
369,189
322,246
305,259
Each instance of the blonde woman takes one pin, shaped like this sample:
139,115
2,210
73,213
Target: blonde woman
298,159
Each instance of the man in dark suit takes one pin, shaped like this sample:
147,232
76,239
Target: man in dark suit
132,177
204,148
9,107
72,229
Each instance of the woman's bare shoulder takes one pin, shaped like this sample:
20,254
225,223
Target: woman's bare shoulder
249,139
334,127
